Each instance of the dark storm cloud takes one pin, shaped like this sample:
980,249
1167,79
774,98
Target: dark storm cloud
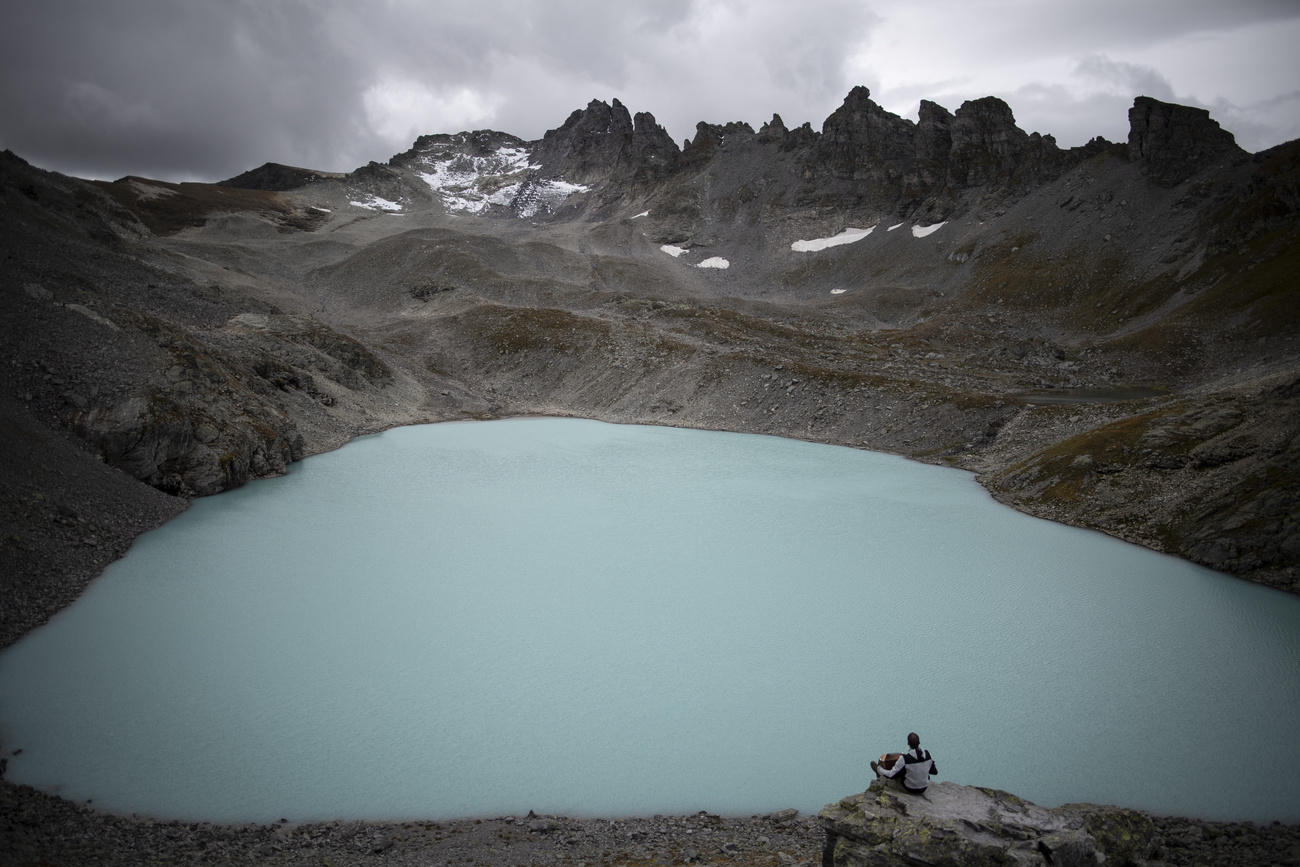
207,89
1072,69
204,89
175,89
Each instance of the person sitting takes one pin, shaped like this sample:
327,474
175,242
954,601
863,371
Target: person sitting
913,768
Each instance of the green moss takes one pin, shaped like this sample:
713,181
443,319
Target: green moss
1126,836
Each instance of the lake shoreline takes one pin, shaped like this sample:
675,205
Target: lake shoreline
36,827
40,827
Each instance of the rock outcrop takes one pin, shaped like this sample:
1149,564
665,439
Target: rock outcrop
1175,142
881,159
864,158
604,143
988,149
953,824
276,177
861,140
1226,472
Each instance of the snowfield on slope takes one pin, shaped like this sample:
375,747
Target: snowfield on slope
375,203
470,184
712,262
848,236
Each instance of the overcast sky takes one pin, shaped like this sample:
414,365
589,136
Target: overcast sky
204,89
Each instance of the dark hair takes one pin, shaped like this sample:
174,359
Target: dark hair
913,740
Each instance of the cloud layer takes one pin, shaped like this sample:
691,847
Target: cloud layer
204,89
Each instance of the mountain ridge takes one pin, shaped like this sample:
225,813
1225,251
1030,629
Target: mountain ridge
913,166
1108,336
603,270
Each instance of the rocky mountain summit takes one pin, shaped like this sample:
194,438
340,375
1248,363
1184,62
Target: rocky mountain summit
1106,334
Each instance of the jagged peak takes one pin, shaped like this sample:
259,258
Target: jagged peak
774,129
705,131
858,94
597,115
644,122
1174,142
987,106
933,111
863,153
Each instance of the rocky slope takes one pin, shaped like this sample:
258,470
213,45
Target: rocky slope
1066,301
955,824
1106,334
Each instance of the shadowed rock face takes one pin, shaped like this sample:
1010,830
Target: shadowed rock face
863,142
603,143
1174,142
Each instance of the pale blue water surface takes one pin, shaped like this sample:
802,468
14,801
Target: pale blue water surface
575,617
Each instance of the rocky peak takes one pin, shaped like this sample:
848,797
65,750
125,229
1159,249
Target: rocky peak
892,163
591,141
933,143
603,142
862,140
1174,142
654,153
986,143
480,142
773,130
276,177
449,148
712,137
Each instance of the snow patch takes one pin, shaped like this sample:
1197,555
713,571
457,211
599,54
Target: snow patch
922,231
470,184
375,203
544,196
895,226
838,291
711,262
848,236
640,215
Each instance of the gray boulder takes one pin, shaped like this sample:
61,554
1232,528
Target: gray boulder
953,824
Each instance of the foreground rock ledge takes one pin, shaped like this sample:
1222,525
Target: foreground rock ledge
955,824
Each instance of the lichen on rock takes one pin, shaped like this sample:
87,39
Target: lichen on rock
970,825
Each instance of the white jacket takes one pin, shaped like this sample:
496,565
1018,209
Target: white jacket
918,767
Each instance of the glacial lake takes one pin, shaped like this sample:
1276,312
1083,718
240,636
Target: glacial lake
483,618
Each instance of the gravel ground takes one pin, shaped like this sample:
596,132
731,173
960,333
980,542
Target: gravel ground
39,829
93,314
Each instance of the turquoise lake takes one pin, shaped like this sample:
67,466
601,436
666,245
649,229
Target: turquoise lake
484,618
